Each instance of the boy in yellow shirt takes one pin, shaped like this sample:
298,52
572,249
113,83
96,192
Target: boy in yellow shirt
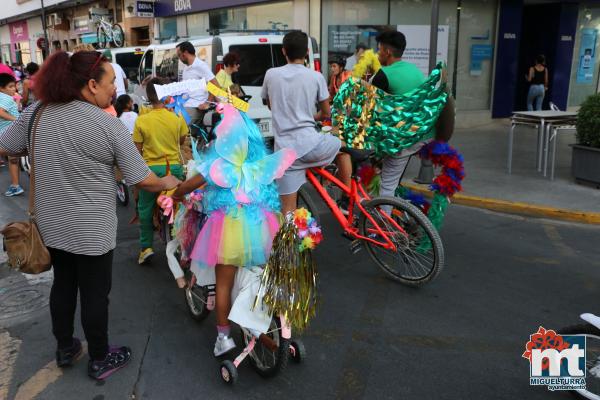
157,135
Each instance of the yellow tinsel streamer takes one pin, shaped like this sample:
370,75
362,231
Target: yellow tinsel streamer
289,280
368,63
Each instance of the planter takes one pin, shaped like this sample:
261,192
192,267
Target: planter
585,164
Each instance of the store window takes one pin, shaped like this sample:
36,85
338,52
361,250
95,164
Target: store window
346,23
339,19
197,24
5,48
22,53
268,16
168,27
584,70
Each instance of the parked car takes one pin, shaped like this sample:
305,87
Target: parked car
258,52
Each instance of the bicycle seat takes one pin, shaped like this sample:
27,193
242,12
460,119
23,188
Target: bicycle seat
357,155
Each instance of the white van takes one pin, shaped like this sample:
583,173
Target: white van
258,52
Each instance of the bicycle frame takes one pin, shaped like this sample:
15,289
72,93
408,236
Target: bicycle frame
357,194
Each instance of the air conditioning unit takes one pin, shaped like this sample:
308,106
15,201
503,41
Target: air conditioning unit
53,19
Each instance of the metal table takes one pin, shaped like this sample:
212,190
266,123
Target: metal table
541,120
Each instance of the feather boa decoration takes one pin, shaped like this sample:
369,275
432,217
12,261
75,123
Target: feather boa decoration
368,63
444,186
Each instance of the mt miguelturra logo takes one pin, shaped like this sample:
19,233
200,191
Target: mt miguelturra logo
556,361
182,5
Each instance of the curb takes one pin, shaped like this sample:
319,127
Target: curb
511,207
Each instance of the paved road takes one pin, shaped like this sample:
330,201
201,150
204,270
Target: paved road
460,337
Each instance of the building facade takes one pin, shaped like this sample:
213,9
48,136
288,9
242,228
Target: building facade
68,23
488,45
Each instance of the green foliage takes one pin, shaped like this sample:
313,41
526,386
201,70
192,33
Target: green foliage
588,122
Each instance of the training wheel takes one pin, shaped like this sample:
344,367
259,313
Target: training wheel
297,351
229,372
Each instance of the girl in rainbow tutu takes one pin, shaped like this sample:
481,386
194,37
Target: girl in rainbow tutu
242,206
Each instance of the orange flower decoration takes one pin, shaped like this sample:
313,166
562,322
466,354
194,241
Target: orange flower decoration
544,339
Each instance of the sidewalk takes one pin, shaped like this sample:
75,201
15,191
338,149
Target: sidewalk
488,185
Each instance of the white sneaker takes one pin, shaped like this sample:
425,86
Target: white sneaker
224,344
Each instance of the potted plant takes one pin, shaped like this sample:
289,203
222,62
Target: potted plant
586,153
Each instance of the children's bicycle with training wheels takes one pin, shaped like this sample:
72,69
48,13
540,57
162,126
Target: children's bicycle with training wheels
268,352
397,235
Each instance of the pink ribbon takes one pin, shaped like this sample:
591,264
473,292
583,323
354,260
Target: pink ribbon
166,203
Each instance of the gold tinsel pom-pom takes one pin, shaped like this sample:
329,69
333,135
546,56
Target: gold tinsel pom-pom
289,280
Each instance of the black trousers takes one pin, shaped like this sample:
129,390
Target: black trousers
92,275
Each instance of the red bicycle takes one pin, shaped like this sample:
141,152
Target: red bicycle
398,236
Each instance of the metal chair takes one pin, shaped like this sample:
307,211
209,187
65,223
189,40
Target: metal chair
552,136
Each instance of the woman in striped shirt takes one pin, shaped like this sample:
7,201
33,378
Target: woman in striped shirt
76,147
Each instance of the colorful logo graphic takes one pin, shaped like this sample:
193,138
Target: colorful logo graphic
556,361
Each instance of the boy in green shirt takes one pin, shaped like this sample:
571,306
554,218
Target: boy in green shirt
157,135
396,77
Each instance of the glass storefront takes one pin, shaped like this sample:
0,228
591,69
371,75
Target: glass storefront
584,70
276,15
474,68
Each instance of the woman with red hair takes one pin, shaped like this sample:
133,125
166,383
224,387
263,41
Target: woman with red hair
74,146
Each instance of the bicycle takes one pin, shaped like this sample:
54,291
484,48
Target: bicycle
269,353
590,329
107,33
387,226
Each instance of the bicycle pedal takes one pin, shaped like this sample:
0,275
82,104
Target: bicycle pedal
356,246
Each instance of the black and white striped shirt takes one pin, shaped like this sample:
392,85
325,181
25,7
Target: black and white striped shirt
76,148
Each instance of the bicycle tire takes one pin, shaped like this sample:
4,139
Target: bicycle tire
118,36
25,164
122,193
280,356
421,225
592,380
102,37
304,200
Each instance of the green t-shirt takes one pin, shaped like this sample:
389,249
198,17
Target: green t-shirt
400,78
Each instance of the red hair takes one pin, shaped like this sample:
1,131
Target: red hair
62,76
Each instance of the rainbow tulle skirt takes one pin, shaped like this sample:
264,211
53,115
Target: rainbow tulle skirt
235,238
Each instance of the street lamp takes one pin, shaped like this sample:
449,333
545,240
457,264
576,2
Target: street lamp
45,51
426,170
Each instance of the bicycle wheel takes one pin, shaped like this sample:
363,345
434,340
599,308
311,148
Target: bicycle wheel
164,229
592,359
267,361
122,193
118,36
305,201
419,255
25,165
102,37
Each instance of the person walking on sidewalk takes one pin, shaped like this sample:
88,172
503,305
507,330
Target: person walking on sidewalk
157,135
9,112
76,146
538,79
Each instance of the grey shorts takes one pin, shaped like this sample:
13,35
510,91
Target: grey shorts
322,154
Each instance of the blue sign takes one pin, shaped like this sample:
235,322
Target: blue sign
479,53
144,8
587,55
